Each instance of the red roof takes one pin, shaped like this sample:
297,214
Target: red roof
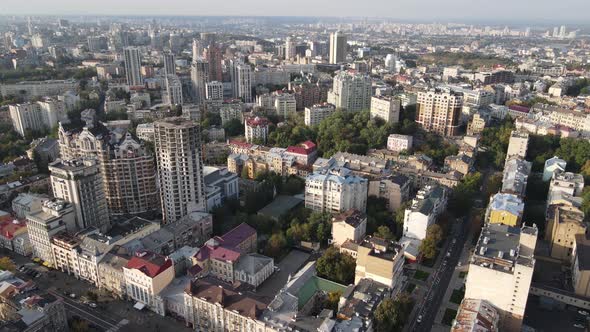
225,254
304,148
9,227
151,264
257,121
237,235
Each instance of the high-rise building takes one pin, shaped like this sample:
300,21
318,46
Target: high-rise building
180,169
337,47
173,93
133,66
386,108
315,114
97,43
214,91
200,78
351,91
214,58
128,168
38,116
197,49
256,129
439,111
501,270
169,60
290,51
242,78
80,183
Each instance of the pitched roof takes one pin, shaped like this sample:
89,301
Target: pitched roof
151,264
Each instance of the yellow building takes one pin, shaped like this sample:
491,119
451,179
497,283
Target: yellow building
505,209
563,224
379,260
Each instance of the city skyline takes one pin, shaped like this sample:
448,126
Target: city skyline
569,10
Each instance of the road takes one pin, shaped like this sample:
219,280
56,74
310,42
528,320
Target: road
441,278
94,316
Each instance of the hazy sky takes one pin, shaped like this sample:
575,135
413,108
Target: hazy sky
553,10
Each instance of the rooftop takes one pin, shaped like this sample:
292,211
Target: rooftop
507,202
151,264
352,217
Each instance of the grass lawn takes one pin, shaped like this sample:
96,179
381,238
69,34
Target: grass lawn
421,275
457,296
410,288
450,314
462,274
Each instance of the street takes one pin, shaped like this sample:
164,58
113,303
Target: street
440,279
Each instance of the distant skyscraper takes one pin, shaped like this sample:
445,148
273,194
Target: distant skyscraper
562,32
290,51
337,47
208,38
169,63
214,57
133,66
242,78
199,78
173,94
180,169
215,91
197,49
439,111
555,32
351,91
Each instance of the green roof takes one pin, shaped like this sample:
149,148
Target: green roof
316,284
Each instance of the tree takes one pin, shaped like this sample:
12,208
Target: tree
385,233
79,325
463,195
276,245
245,174
433,236
391,314
336,266
233,128
586,202
7,264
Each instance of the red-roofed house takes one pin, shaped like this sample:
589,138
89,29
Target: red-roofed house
304,153
146,275
14,236
256,129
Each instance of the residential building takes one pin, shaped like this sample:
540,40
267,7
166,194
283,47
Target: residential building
505,209
256,129
351,91
379,260
476,315
211,305
178,154
169,60
55,217
242,80
222,183
172,95
429,203
399,143
126,165
146,275
27,310
145,132
304,153
110,271
386,108
439,111
282,103
80,183
553,165
348,225
34,89
461,163
515,176
581,265
518,144
14,235
38,116
214,91
476,125
315,114
501,270
26,203
563,224
566,182
232,109
214,57
200,80
191,230
335,190
338,47
394,189
133,66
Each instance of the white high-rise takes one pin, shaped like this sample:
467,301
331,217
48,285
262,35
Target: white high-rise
169,63
335,191
351,91
180,168
242,77
133,66
290,51
173,95
386,108
337,47
38,116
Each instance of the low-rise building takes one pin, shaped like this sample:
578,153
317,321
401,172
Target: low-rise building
26,203
553,165
26,310
518,144
14,235
256,129
476,315
386,108
315,114
506,209
394,189
398,143
146,275
426,207
110,271
563,224
581,265
379,260
515,176
335,190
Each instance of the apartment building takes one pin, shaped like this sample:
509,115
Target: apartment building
146,275
316,113
399,143
580,265
256,129
80,182
505,209
386,108
517,145
430,201
476,315
394,189
231,109
335,190
351,91
553,165
178,154
439,111
501,270
515,176
280,102
349,225
37,116
34,89
381,261
563,224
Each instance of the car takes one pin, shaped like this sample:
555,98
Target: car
454,241
92,305
72,295
448,254
459,264
419,319
579,326
583,312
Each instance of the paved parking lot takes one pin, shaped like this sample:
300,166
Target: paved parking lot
551,320
288,266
